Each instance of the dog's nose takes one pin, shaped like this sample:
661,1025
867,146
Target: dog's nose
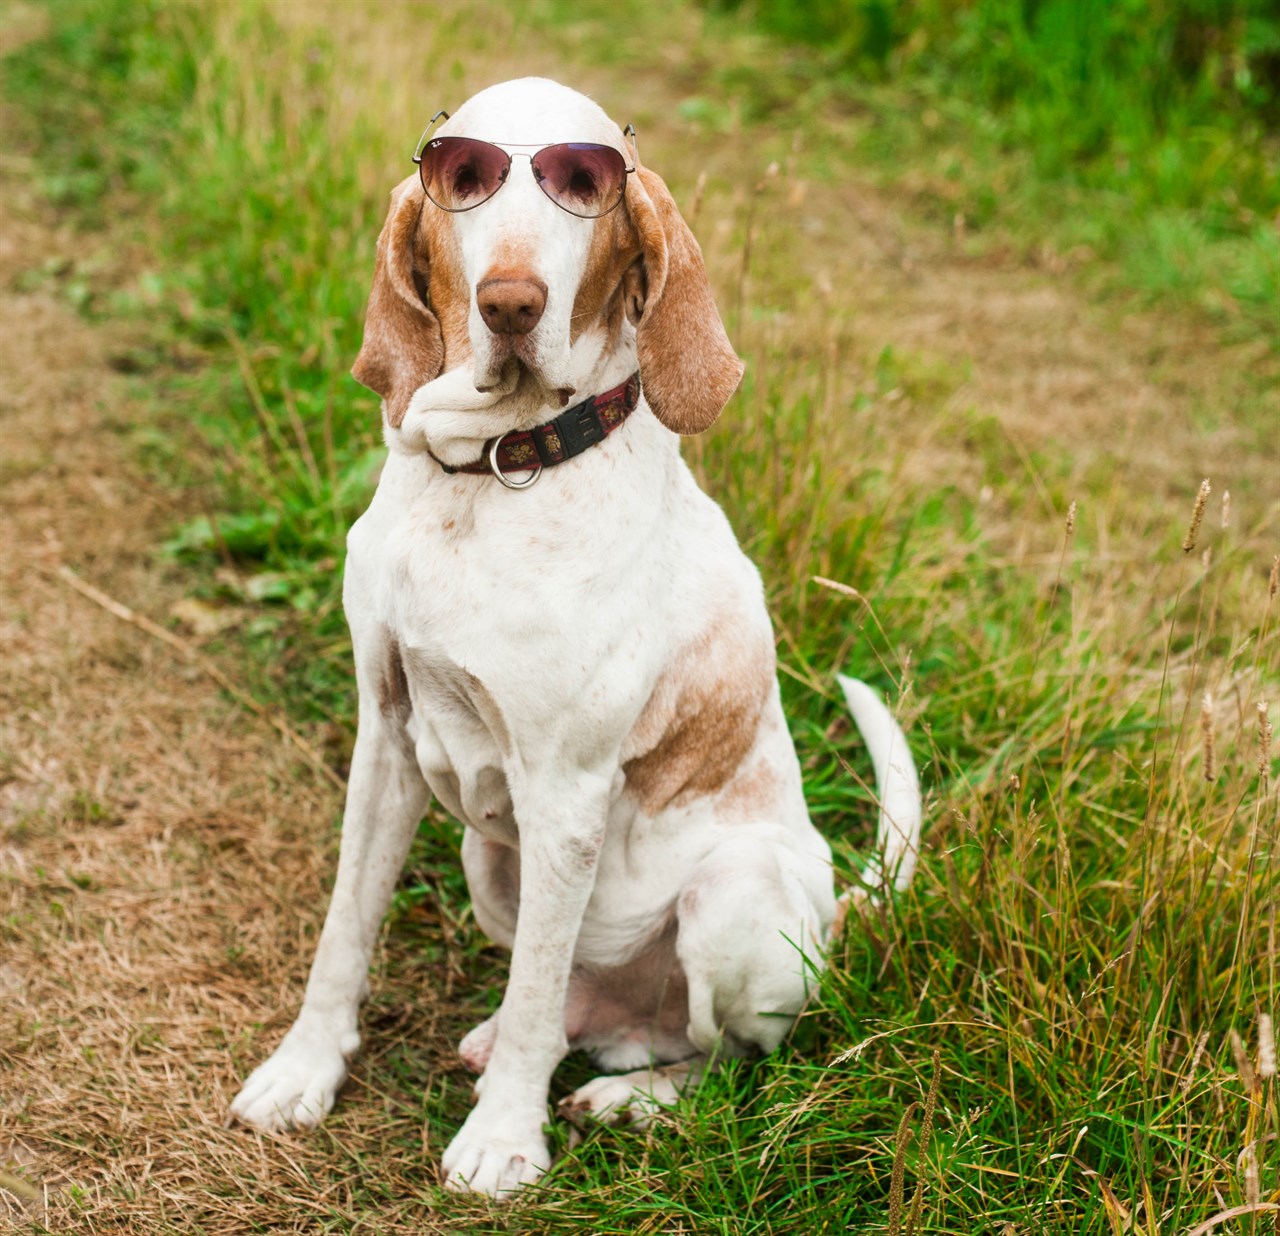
511,306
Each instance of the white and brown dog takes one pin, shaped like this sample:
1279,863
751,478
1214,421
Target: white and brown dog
581,670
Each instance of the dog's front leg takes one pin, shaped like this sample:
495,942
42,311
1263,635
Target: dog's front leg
501,1146
386,797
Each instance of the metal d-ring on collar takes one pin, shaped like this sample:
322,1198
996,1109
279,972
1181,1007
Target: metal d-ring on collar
528,483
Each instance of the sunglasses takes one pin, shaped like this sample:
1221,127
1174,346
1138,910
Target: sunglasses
461,173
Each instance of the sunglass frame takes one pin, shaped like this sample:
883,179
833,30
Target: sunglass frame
628,132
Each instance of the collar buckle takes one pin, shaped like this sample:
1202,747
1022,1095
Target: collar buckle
581,428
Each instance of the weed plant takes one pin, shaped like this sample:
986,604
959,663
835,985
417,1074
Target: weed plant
1067,1024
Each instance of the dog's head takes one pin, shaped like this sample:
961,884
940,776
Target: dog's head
517,279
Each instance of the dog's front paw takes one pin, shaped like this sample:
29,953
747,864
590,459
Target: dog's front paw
296,1087
496,1155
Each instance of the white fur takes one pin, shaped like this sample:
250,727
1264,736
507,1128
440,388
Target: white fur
534,627
898,843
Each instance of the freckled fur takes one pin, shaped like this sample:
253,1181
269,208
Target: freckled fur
753,794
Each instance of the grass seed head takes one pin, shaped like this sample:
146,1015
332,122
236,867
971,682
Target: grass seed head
1197,514
1249,1165
1206,732
897,1177
836,586
1071,517
1266,1046
1264,745
1196,1052
1243,1066
1273,583
1226,508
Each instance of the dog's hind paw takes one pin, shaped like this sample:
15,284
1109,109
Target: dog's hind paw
631,1099
477,1045
296,1087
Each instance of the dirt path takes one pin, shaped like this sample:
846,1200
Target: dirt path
164,856
151,836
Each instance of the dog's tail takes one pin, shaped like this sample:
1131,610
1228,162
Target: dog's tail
898,835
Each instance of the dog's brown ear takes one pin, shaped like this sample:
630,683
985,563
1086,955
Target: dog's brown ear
403,346
688,367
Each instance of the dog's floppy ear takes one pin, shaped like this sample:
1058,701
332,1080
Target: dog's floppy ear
403,346
688,368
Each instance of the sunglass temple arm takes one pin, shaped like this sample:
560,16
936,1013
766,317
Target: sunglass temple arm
422,141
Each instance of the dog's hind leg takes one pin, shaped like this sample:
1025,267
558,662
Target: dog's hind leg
753,919
633,1099
386,797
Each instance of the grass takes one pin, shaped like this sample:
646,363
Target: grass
1145,132
1085,970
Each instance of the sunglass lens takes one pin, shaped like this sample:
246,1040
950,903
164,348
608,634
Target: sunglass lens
460,172
581,177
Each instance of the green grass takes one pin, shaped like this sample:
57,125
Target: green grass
1174,102
1093,918
1144,131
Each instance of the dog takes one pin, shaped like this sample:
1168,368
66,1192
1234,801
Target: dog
556,635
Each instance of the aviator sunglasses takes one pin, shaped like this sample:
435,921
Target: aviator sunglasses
461,173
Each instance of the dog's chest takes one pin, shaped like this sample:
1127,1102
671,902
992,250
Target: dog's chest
511,629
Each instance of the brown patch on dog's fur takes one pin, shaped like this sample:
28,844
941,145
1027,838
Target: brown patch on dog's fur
752,794
615,246
436,248
403,346
701,719
416,323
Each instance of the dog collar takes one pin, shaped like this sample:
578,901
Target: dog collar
575,430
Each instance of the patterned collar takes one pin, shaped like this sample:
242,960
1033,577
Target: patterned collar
575,430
